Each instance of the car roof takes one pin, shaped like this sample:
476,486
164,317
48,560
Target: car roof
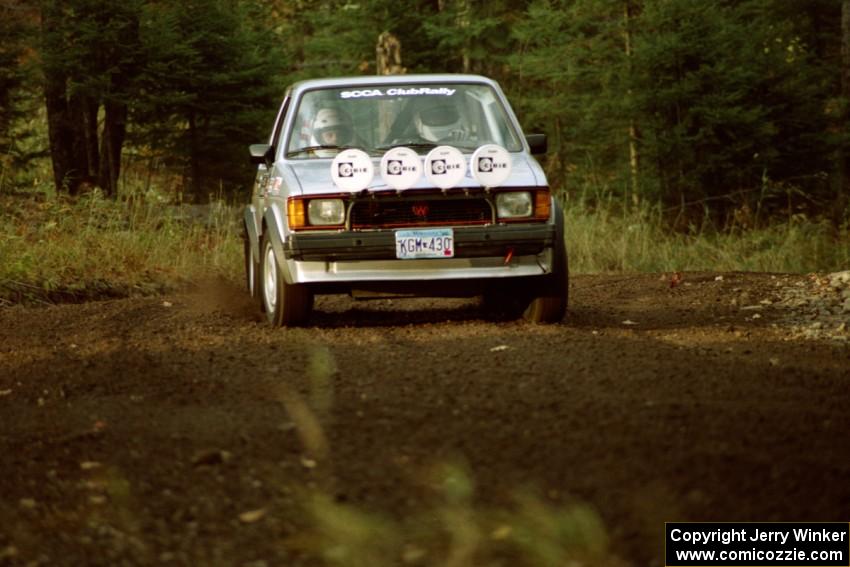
375,80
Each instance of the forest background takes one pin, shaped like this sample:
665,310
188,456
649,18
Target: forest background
713,117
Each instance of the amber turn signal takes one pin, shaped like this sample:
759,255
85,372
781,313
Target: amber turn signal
295,212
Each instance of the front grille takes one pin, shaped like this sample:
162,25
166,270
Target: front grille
389,213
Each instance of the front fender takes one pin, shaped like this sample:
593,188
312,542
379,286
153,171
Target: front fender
275,223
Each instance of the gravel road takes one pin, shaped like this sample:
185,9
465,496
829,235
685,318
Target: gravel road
181,429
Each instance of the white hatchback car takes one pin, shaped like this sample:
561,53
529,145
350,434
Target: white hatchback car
417,185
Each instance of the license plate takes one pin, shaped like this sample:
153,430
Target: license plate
428,243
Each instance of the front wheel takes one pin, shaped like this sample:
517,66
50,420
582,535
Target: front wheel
285,304
549,300
550,305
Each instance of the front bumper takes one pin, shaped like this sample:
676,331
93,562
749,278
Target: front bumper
470,242
481,253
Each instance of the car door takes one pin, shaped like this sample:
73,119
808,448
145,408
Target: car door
265,179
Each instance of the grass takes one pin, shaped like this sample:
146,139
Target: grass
603,238
453,530
53,248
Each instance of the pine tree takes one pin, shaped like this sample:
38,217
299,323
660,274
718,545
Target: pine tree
469,37
572,79
90,51
728,95
16,25
844,154
209,88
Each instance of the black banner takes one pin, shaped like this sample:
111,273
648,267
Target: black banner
760,544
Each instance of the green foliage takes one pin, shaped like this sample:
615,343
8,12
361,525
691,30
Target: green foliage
95,46
572,82
723,94
209,87
469,37
719,94
90,57
338,37
16,88
666,101
193,82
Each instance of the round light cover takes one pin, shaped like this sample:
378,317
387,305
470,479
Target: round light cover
491,165
401,168
352,170
445,166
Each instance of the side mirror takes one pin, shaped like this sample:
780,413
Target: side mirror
261,153
538,143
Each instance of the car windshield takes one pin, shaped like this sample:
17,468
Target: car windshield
419,116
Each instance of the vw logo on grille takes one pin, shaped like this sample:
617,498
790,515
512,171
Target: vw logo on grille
420,209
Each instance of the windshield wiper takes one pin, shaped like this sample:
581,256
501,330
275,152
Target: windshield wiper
412,145
309,149
464,146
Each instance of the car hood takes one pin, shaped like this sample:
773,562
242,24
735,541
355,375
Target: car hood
313,177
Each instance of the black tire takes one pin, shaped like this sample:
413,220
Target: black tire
549,299
505,301
285,305
550,307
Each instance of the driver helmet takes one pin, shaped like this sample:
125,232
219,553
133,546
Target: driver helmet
332,127
437,121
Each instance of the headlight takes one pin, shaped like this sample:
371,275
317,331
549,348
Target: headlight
325,212
514,204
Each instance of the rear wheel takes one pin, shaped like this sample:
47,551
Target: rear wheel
285,304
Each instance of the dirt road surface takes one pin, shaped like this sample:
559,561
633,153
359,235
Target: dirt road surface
180,429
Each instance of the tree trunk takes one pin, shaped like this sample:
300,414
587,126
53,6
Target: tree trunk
111,144
843,157
71,117
115,106
59,133
462,16
388,62
388,55
845,48
83,113
463,23
59,121
634,157
195,158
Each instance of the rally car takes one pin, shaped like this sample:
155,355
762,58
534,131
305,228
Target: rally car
407,185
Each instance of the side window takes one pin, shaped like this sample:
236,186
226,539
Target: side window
278,125
301,131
